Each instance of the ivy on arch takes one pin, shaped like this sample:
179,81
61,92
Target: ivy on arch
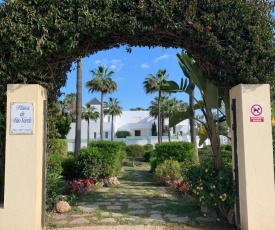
232,40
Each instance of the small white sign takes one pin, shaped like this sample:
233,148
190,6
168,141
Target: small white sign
21,118
256,112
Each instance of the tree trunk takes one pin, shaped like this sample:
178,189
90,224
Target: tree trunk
159,121
112,128
88,132
169,135
214,139
193,123
78,106
101,116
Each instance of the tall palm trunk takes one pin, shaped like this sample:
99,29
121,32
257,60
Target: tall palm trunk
88,132
101,117
159,121
112,128
193,123
169,135
78,106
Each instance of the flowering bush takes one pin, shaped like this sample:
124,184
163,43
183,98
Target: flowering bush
79,186
168,171
211,188
180,186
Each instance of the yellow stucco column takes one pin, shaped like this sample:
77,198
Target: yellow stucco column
24,158
255,156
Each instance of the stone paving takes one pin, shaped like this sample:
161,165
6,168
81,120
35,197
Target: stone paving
135,201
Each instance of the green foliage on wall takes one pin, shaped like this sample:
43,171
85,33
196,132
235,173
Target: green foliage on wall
123,133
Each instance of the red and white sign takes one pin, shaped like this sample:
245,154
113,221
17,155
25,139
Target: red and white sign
256,113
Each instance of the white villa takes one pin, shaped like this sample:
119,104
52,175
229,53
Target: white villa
139,123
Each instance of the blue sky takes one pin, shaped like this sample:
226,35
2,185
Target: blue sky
130,71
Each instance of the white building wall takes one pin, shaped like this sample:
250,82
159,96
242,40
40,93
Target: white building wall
132,121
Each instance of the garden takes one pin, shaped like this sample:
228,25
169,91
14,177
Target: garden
135,184
232,41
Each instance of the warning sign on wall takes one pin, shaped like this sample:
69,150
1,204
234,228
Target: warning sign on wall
256,113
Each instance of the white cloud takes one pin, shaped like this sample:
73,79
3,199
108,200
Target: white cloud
115,61
101,62
145,66
165,56
114,64
119,78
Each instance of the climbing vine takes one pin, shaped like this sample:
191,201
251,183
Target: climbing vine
232,40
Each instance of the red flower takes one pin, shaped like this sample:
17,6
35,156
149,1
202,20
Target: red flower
208,27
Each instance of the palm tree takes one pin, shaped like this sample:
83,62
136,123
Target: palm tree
169,107
154,112
70,103
103,83
112,108
62,107
153,84
89,112
78,105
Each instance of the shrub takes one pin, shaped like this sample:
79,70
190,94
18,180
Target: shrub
70,153
70,168
111,152
55,187
227,147
57,151
58,147
167,171
134,151
101,159
148,154
211,188
178,151
63,125
148,147
123,134
226,157
54,162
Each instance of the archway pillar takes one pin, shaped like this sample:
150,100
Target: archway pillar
255,156
24,158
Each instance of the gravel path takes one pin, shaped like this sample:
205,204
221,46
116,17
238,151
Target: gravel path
135,204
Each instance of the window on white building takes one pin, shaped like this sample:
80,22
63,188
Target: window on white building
137,119
94,135
109,118
137,133
106,134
